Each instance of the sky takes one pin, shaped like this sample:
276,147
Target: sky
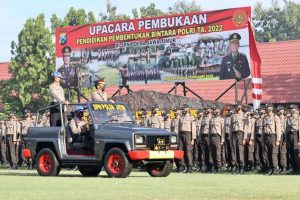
13,13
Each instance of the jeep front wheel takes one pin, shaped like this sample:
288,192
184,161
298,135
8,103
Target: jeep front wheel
116,163
159,169
90,170
46,163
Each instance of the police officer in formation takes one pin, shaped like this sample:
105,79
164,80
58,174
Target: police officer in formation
216,138
155,120
293,137
258,142
12,132
237,136
187,136
204,141
271,140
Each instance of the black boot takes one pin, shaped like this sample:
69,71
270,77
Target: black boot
189,170
241,170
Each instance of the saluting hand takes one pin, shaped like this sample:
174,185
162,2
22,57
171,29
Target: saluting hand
250,142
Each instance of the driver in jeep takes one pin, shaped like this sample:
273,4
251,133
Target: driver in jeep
79,126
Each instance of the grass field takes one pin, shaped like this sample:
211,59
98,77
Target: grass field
24,184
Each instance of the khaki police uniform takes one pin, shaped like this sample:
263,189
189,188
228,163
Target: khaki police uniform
57,96
187,133
227,144
237,136
205,143
155,121
13,129
271,134
216,137
196,148
282,146
144,121
3,142
175,124
167,124
258,143
25,124
293,138
175,128
249,137
99,96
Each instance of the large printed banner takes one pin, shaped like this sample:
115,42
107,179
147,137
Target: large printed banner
181,47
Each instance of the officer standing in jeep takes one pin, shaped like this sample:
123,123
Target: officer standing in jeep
57,96
187,135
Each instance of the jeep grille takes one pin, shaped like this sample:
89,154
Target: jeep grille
152,140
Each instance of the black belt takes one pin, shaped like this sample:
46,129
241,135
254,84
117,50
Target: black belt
205,135
237,132
269,134
214,135
185,132
258,135
293,132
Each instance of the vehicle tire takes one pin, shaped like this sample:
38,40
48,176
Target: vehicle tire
116,163
46,163
159,169
90,171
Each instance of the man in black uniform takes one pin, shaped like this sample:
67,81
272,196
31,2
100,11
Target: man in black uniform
68,71
235,65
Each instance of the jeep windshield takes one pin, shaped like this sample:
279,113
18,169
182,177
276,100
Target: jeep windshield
106,113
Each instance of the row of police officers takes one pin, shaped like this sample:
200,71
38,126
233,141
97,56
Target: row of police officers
238,138
12,132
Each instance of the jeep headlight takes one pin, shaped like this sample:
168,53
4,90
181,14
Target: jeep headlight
173,139
138,139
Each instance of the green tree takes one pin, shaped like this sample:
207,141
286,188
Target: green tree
135,13
150,11
30,66
184,7
275,23
73,17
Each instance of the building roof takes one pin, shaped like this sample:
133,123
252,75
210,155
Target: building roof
4,71
280,74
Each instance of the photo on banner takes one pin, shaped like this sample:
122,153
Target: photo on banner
208,45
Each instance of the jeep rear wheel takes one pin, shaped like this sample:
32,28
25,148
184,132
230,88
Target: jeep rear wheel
116,163
159,169
90,170
46,163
